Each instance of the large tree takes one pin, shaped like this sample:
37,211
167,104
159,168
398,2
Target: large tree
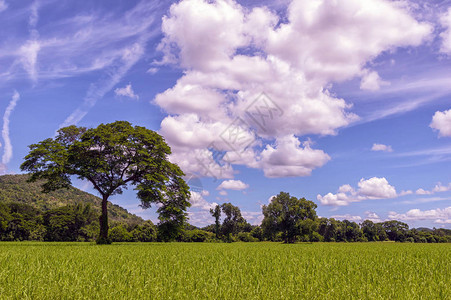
232,221
112,157
286,214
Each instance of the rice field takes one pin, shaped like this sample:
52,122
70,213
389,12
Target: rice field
225,271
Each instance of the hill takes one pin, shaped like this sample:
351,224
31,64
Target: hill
15,188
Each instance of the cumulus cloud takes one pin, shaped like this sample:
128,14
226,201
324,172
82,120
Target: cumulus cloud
373,188
445,21
441,121
371,81
253,217
438,215
8,151
197,200
348,217
230,55
126,91
436,189
381,147
289,158
236,185
372,216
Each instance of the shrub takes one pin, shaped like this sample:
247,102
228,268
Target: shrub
246,237
119,234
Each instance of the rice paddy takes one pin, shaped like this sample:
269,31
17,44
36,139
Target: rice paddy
225,271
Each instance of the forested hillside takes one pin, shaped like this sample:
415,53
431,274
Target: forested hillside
15,188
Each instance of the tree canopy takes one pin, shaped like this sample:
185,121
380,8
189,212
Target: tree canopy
287,214
111,157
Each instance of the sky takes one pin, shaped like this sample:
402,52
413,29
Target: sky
344,102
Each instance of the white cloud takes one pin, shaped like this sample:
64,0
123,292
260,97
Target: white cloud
331,40
98,89
421,191
348,217
289,158
438,188
371,81
236,185
29,57
8,152
126,91
381,147
445,21
286,60
438,215
201,162
223,193
373,188
197,200
372,216
3,5
253,217
376,188
152,70
441,121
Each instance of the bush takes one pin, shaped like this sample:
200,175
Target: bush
316,237
246,237
119,234
147,232
197,235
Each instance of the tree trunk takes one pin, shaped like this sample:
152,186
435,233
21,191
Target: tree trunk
103,236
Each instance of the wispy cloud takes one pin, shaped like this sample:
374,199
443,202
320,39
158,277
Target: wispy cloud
115,65
113,76
8,152
3,5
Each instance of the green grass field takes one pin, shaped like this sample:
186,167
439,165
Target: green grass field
225,271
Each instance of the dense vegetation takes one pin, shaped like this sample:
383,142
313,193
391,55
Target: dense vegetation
113,157
225,271
16,188
72,215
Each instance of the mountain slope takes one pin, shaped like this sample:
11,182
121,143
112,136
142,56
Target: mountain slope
15,188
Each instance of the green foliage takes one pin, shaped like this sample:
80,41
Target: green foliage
197,235
232,221
216,213
146,232
17,189
246,237
112,157
66,223
119,234
286,214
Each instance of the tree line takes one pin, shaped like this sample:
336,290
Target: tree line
115,156
286,219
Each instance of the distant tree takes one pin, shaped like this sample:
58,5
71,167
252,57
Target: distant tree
284,214
395,230
111,157
328,228
351,230
216,213
232,221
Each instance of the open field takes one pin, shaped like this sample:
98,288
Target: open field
225,271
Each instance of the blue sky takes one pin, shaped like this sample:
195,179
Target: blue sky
346,103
